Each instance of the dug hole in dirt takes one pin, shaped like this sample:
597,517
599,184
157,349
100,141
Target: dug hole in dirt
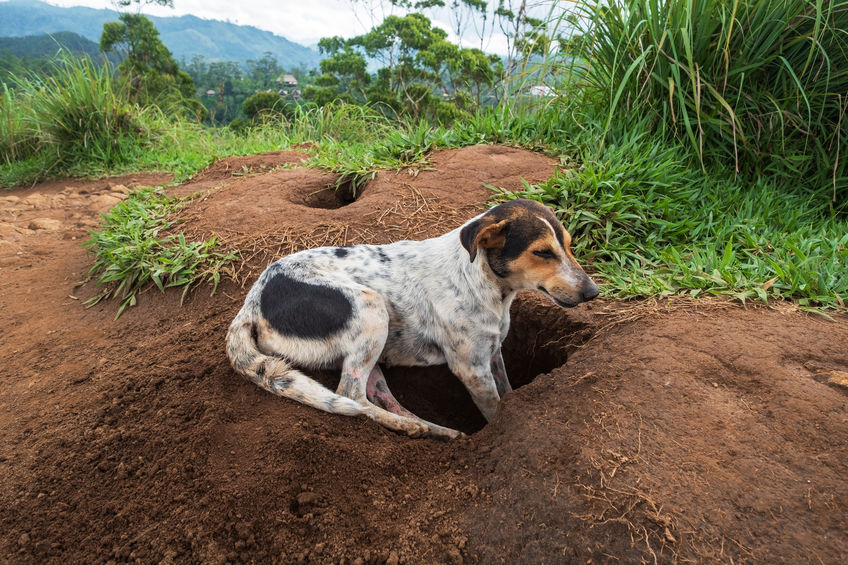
696,431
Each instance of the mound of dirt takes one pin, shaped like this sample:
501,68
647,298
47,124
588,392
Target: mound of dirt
692,431
266,216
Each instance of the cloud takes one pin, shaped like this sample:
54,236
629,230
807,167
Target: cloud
307,21
301,21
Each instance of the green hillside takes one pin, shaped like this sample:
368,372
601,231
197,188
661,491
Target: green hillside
46,45
185,36
37,53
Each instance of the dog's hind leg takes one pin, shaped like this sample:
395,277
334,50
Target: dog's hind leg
359,368
365,349
413,427
388,411
377,391
384,409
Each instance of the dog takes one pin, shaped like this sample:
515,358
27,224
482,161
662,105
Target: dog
408,303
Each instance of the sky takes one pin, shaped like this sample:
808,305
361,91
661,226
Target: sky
303,21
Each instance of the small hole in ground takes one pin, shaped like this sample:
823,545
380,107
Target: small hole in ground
539,336
331,198
536,344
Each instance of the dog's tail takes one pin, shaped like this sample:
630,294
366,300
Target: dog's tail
276,375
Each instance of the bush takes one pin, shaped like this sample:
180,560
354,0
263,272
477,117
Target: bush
76,114
265,103
759,86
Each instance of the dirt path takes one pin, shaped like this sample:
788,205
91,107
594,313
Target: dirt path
698,431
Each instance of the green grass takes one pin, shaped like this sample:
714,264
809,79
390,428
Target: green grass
135,248
651,223
759,86
643,214
402,145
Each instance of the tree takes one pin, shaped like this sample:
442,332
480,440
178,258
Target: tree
462,13
525,35
264,71
344,75
423,74
148,66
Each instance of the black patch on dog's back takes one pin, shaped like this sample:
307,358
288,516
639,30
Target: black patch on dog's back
301,309
341,252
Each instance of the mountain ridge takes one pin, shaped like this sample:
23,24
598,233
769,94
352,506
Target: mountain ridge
186,36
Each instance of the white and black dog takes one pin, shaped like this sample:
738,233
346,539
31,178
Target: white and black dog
440,300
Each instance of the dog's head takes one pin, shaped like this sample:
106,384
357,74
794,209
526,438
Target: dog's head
527,248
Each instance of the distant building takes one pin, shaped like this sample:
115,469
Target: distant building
541,90
211,92
287,81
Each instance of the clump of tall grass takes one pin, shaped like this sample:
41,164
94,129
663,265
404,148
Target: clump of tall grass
17,139
81,114
74,117
344,123
760,87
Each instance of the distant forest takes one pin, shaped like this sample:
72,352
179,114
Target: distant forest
185,36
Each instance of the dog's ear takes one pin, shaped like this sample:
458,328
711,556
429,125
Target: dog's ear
485,233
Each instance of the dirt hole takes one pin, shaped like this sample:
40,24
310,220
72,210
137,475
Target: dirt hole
330,197
538,340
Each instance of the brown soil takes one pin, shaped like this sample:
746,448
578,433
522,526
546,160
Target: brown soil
690,431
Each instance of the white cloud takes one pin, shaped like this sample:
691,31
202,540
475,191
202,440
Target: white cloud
302,21
307,21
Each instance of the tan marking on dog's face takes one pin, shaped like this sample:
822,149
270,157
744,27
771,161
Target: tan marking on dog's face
536,254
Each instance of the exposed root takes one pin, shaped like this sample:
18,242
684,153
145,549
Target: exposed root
615,497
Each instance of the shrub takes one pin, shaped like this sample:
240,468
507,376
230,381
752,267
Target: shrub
759,86
264,103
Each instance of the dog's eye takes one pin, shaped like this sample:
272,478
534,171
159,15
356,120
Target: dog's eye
545,254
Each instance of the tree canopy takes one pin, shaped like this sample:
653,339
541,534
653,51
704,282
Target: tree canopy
422,73
148,66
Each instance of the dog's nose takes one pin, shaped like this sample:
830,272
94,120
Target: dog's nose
589,291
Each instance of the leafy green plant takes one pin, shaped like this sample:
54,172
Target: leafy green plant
651,224
759,86
135,249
